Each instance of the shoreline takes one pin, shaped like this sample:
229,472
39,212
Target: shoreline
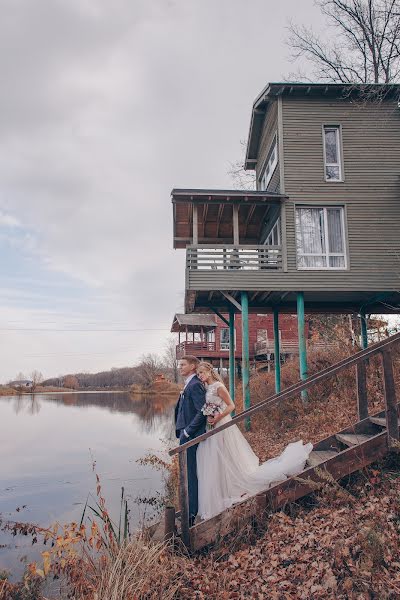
12,392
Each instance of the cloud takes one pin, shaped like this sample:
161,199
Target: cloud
105,107
7,220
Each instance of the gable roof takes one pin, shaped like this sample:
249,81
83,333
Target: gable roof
272,91
193,322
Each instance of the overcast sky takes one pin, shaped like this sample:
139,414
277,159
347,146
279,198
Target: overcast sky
106,105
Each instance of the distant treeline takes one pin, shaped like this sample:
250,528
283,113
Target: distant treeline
143,374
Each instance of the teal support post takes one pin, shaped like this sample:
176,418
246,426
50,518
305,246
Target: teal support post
245,356
364,333
277,352
232,354
302,340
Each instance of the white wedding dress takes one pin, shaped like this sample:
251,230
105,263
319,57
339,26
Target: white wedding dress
228,471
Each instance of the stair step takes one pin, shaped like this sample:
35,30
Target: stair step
319,456
350,439
381,421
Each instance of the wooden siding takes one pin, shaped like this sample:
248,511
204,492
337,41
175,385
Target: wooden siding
370,191
370,194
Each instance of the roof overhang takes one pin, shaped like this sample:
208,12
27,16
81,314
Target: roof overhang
193,322
272,91
203,196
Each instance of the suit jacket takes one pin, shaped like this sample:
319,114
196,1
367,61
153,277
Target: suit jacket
190,403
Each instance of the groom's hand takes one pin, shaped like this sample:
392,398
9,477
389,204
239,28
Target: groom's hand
183,437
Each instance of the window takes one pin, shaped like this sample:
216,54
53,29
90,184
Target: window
210,336
224,338
320,238
332,153
274,236
270,166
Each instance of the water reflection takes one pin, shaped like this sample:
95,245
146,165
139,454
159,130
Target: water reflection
154,411
47,441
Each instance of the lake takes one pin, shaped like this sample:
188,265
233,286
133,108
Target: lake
47,443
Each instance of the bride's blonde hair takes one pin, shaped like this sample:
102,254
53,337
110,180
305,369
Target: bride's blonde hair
210,368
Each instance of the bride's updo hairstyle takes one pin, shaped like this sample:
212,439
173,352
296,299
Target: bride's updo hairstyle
208,367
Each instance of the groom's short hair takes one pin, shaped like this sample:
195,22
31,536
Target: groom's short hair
192,360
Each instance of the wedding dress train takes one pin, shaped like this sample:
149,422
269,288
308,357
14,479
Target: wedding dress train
228,471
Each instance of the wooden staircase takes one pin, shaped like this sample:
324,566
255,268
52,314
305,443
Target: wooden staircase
341,454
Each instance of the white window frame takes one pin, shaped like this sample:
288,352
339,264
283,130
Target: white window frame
276,229
325,254
339,164
224,346
270,165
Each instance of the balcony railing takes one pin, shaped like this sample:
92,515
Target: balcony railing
194,348
289,346
245,258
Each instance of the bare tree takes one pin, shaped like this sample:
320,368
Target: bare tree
364,47
37,378
147,370
71,382
169,358
242,179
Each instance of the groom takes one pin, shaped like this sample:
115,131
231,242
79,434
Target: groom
190,422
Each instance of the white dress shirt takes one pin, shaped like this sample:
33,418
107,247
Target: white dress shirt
186,382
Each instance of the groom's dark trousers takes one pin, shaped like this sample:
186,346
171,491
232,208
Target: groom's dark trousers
189,418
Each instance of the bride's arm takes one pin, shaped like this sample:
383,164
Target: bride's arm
230,405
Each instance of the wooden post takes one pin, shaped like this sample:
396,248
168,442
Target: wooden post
235,215
362,396
364,330
302,340
184,499
261,506
277,352
245,356
195,226
392,424
232,353
169,523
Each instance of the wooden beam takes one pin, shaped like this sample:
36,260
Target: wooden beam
169,523
362,398
390,400
219,217
205,213
248,218
232,300
265,296
253,296
220,316
184,498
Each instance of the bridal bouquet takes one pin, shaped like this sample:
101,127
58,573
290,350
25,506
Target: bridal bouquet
210,409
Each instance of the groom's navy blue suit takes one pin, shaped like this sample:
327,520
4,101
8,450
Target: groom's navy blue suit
188,417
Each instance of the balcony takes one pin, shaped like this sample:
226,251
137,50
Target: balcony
233,257
203,349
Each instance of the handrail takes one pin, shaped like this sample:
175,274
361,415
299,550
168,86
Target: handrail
233,247
294,389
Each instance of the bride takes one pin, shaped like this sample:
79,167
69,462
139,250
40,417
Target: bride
228,471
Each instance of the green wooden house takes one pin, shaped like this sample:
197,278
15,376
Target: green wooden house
321,233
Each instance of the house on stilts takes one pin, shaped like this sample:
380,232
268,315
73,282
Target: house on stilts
320,234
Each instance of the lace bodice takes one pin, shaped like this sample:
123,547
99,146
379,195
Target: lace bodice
212,393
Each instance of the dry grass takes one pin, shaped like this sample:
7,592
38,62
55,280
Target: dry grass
138,570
